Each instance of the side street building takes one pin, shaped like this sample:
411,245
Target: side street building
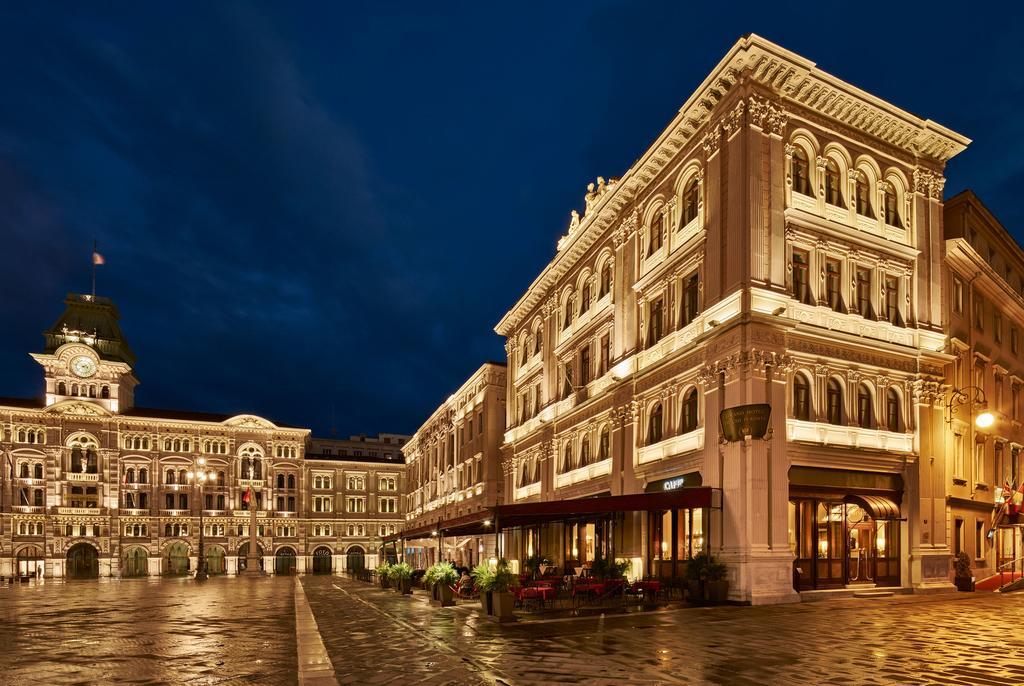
93,485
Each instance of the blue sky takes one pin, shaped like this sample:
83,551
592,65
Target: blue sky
307,206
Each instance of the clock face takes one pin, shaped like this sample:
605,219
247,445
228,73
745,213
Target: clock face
83,366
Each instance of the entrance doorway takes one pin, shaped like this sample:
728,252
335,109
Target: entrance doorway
356,559
839,544
135,562
176,562
30,562
284,561
215,560
82,562
322,560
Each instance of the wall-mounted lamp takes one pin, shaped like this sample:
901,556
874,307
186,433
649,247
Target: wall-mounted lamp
973,395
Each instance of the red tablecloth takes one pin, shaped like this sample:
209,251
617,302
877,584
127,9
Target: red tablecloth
545,593
588,588
650,586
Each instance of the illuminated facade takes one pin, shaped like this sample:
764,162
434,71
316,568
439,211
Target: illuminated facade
985,319
454,472
779,243
92,485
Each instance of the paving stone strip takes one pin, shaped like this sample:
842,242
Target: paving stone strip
315,667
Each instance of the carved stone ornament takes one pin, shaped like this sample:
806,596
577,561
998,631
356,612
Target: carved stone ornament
712,141
733,121
767,115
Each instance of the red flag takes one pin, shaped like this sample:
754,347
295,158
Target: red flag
97,258
247,496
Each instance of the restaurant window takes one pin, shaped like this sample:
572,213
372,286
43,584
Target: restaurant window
864,293
864,414
833,289
691,196
892,410
801,286
801,172
834,404
690,411
801,397
656,322
690,308
655,425
833,191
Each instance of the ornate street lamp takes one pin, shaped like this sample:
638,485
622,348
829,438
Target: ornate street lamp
971,395
198,476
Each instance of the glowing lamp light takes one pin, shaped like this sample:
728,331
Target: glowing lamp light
487,522
985,420
191,475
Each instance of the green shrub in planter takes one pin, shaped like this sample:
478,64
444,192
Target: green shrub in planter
441,577
500,584
401,573
716,581
384,574
483,580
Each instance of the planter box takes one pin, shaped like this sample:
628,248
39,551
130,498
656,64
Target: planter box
445,595
404,586
694,592
501,606
485,602
716,591
964,583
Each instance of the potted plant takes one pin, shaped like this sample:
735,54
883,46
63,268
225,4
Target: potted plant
429,582
716,581
384,574
441,577
503,582
402,575
482,579
962,572
694,576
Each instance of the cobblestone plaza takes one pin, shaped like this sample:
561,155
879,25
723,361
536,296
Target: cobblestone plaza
244,631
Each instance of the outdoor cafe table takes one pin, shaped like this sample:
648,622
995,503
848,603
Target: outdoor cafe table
649,586
543,593
588,589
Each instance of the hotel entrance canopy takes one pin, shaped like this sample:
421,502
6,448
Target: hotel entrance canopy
494,519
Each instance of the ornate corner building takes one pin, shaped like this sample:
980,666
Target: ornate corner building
780,243
92,485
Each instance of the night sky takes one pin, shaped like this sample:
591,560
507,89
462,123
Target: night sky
329,205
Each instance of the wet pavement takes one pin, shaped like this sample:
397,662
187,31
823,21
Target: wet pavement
143,631
235,631
376,636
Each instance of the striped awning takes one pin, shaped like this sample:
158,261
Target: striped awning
879,507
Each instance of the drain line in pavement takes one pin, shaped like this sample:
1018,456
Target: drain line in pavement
315,665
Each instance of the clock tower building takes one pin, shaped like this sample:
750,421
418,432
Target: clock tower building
87,356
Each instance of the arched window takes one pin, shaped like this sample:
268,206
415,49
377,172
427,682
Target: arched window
656,233
690,201
143,500
834,404
690,411
801,172
890,207
280,480
257,470
130,475
182,476
62,388
169,504
585,296
606,278
38,471
833,189
182,501
567,458
863,190
291,481
569,309
143,475
221,480
169,476
23,471
22,436
105,392
603,445
584,451
892,410
655,425
801,398
538,341
865,416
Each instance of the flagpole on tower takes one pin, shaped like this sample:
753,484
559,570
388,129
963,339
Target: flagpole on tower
94,254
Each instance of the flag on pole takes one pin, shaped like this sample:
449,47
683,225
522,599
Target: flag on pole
97,258
247,496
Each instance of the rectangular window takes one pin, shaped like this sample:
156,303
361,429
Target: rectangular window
958,295
606,353
585,365
689,304
833,290
801,286
958,456
892,308
654,326
979,463
864,292
979,539
958,536
997,327
979,313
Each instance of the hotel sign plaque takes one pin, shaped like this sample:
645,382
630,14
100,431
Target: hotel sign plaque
745,420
